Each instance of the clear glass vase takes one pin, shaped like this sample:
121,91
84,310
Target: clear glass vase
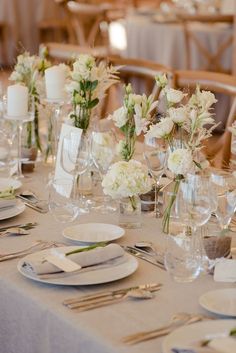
130,212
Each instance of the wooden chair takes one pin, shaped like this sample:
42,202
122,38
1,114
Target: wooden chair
234,45
58,53
3,41
213,60
90,24
57,29
140,73
217,148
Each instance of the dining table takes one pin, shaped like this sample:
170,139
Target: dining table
33,317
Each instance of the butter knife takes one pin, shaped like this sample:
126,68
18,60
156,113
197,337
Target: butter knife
144,257
33,206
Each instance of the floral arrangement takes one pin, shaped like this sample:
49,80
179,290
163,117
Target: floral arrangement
87,86
132,119
29,71
184,127
126,179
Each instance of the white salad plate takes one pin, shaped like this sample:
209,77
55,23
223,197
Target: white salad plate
93,232
6,183
220,301
102,273
187,336
13,211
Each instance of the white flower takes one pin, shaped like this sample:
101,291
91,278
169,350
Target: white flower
178,115
73,86
119,117
180,161
161,129
134,99
206,99
126,179
174,95
142,113
82,67
161,80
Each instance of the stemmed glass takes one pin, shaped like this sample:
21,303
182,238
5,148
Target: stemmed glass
103,150
75,159
224,187
155,155
183,257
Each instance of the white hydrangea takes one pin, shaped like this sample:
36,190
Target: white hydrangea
178,115
126,179
161,129
120,117
174,96
180,161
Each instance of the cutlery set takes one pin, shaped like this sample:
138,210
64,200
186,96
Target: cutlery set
145,255
32,201
18,229
100,299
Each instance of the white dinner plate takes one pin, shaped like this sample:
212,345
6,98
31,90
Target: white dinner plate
96,276
6,183
220,301
188,335
93,232
13,211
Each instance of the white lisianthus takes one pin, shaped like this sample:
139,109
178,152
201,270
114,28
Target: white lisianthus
161,80
82,67
134,99
161,129
142,113
120,117
126,179
180,161
178,115
73,86
174,96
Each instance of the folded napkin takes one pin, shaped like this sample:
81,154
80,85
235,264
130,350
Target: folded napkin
84,259
223,344
225,271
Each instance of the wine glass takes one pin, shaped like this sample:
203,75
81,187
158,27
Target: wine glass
62,203
75,159
155,155
224,187
103,151
184,252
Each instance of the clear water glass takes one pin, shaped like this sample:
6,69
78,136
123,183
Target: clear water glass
62,203
181,260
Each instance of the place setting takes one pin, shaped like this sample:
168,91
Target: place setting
118,176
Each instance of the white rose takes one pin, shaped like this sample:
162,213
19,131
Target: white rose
174,95
119,117
178,115
180,161
161,129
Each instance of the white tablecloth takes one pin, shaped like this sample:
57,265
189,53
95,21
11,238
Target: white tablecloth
33,318
165,44
21,18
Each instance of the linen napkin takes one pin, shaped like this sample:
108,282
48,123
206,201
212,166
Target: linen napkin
225,271
84,259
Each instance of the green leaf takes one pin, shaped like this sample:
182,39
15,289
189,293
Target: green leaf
91,247
197,164
94,85
90,85
92,103
233,332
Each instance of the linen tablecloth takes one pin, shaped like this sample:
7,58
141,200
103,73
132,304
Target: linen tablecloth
33,318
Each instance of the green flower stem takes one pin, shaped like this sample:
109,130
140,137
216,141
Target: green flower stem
91,247
166,216
133,202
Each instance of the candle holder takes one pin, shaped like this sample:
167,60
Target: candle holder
19,121
53,128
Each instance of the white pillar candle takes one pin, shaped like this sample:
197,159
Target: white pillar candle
55,78
17,101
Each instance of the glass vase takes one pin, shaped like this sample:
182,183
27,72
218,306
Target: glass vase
130,212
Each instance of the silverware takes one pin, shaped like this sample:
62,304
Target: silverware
144,256
16,231
93,303
150,287
22,225
178,320
35,207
